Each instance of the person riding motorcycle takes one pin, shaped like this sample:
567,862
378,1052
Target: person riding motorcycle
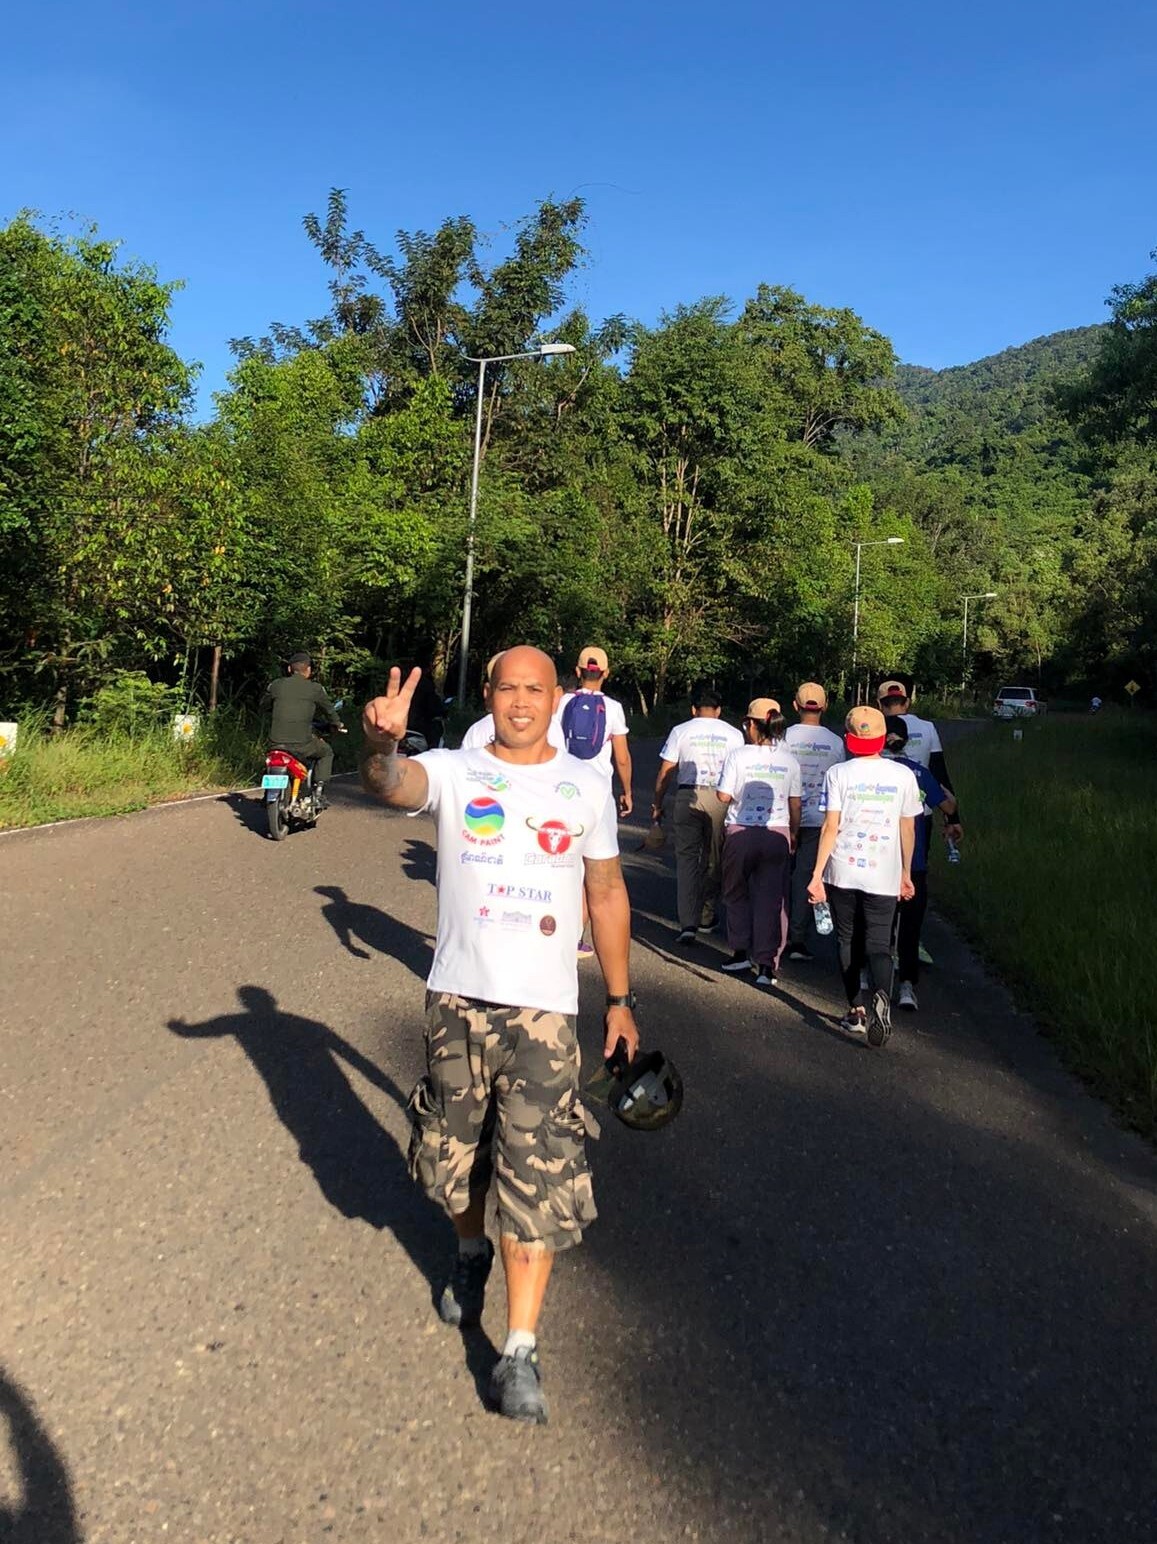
297,701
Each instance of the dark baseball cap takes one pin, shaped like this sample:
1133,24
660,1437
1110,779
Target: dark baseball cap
299,659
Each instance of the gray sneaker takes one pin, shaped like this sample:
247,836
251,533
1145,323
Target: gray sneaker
879,1019
516,1388
465,1293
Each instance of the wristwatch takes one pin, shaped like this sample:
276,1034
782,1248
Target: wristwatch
628,1000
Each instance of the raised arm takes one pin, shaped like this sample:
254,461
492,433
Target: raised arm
392,779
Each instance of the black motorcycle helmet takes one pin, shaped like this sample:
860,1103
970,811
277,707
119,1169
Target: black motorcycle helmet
645,1093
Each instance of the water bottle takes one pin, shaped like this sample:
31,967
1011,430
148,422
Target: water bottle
953,850
823,915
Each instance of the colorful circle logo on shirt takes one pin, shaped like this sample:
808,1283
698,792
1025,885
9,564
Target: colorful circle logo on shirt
547,926
485,817
554,836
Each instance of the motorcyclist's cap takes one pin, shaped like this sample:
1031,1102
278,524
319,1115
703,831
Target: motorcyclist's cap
300,659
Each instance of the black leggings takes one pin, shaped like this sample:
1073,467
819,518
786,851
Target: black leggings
864,930
909,921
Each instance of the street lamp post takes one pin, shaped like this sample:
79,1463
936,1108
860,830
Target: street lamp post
888,541
985,595
544,351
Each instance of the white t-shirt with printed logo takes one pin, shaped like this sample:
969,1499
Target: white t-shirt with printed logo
871,795
760,779
923,740
511,844
616,723
700,747
816,749
482,732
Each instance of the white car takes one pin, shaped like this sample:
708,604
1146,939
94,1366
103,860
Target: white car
1018,702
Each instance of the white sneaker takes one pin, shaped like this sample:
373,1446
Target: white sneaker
738,962
765,978
855,1021
906,998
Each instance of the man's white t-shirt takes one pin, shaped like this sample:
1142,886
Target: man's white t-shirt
700,747
923,741
816,749
871,794
616,723
482,732
760,779
511,844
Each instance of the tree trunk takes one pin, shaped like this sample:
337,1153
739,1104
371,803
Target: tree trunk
60,707
60,697
214,677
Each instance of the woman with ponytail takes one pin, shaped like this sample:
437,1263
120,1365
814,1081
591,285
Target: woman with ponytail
762,786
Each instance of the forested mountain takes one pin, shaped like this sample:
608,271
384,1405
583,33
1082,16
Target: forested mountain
992,466
690,494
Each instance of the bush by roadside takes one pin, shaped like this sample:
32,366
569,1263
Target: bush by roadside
1058,886
84,771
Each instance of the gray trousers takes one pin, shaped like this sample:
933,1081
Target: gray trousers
806,846
699,815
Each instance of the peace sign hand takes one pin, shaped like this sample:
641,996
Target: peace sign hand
384,719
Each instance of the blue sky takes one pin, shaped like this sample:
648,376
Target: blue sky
964,177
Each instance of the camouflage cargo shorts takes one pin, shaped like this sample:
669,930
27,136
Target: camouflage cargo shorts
500,1098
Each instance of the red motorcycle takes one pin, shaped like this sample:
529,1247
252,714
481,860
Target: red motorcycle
290,791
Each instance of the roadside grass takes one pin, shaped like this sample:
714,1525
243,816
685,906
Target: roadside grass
1057,887
82,772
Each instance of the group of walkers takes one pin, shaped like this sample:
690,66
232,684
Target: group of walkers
775,820
770,821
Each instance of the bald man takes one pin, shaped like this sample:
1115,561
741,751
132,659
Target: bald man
520,827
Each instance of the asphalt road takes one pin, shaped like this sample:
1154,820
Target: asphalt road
894,1296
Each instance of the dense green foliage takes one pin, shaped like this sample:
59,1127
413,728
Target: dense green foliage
688,494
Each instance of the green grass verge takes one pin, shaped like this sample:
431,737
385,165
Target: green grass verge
82,772
1057,887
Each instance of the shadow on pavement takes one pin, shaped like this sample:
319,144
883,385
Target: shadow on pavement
843,1308
249,812
358,1166
382,933
44,1514
419,861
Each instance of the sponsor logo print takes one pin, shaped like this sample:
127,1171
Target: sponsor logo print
554,836
480,857
547,925
567,790
521,893
494,781
485,818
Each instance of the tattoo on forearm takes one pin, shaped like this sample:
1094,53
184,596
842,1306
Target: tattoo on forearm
383,774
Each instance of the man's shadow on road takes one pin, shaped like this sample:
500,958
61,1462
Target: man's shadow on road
46,1514
358,1166
376,929
420,861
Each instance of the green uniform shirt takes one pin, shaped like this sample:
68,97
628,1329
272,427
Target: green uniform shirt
296,702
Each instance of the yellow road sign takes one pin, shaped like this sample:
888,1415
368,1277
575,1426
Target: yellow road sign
1132,688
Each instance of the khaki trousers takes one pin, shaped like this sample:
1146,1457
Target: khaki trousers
699,816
